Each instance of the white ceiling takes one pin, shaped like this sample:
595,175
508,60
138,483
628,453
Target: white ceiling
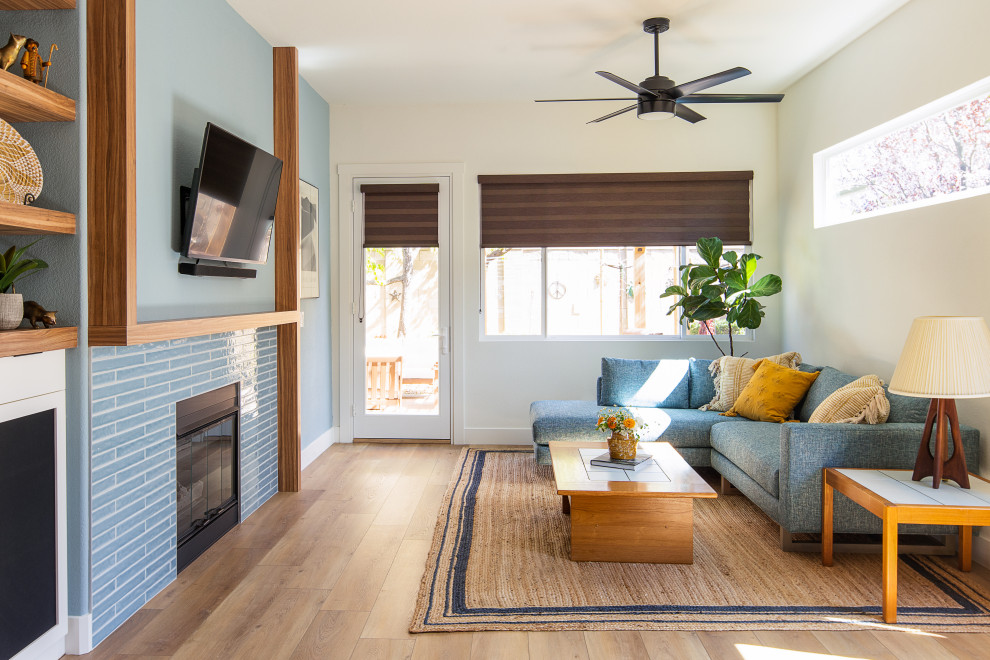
444,51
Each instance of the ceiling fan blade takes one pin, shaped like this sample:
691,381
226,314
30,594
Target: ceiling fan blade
571,100
618,112
731,98
688,114
633,87
704,83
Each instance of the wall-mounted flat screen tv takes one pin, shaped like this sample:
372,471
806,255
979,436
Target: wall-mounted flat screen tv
231,209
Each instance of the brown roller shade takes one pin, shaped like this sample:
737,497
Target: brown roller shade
588,210
401,215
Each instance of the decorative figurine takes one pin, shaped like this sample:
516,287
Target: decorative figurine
34,312
48,67
8,54
32,64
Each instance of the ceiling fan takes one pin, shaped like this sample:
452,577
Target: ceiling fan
658,97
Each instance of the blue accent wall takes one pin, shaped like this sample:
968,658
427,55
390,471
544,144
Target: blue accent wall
314,167
134,391
197,61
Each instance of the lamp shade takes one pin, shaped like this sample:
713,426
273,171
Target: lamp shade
944,357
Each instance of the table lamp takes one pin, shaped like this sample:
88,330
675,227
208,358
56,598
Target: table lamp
944,358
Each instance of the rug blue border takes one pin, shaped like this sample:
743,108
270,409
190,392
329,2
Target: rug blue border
455,605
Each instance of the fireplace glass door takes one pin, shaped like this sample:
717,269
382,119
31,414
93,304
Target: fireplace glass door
207,475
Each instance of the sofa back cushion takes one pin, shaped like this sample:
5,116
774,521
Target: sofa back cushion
907,409
828,381
645,383
702,384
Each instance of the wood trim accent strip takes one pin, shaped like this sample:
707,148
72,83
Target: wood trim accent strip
20,219
37,4
111,163
143,333
285,83
29,340
22,100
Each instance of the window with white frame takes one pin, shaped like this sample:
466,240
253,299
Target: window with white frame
587,292
937,153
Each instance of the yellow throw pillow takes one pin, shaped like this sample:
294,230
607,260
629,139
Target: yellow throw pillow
732,374
772,393
862,401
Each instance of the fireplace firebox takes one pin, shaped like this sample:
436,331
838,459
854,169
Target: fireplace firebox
207,468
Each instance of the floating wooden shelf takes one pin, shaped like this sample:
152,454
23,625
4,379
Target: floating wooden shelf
22,100
37,4
143,333
19,219
27,340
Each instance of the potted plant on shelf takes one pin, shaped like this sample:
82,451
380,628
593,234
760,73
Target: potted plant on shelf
724,286
14,266
623,432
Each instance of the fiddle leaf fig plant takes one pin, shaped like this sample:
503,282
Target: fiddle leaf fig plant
14,266
725,285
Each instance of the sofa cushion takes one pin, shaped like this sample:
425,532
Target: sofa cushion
645,383
754,448
772,393
702,385
907,409
860,402
828,381
732,374
575,421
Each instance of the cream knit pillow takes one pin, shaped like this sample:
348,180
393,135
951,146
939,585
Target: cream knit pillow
732,374
860,402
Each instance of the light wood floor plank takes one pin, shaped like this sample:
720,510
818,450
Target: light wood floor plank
392,613
722,645
331,636
906,645
609,644
383,649
307,534
330,553
424,518
113,645
966,645
795,640
357,587
443,646
855,644
673,645
565,645
282,625
500,646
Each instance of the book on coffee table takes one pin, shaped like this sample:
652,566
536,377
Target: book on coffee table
641,461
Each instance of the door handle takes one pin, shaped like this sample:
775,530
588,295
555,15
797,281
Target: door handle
444,340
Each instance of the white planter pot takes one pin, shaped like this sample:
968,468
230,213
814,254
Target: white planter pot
11,310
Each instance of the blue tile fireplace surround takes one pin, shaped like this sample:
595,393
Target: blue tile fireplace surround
134,392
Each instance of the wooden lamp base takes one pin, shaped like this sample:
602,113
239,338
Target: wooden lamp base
938,466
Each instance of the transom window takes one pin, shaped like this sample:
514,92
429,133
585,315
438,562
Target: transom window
937,153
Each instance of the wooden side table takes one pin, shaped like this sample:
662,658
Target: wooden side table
892,496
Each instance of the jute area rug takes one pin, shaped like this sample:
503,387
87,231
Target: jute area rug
499,561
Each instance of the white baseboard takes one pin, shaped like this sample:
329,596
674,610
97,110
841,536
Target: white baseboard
523,436
981,549
79,638
318,446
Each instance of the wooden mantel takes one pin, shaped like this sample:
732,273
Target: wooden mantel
112,217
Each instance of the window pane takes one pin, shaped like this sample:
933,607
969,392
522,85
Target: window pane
934,154
513,283
609,291
717,326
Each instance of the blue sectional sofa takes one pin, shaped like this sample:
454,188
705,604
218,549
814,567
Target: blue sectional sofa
777,466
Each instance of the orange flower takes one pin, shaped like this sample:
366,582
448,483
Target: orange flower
601,419
629,423
611,422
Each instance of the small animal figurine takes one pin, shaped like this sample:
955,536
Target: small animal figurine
34,312
8,54
32,63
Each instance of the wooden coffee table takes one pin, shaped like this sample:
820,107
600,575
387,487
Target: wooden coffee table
643,516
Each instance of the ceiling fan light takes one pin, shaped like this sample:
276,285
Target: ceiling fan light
656,109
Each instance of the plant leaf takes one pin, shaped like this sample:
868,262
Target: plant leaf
731,257
710,249
750,314
713,292
710,309
735,281
748,264
674,291
767,285
700,276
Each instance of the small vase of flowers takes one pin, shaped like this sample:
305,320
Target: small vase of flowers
623,430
